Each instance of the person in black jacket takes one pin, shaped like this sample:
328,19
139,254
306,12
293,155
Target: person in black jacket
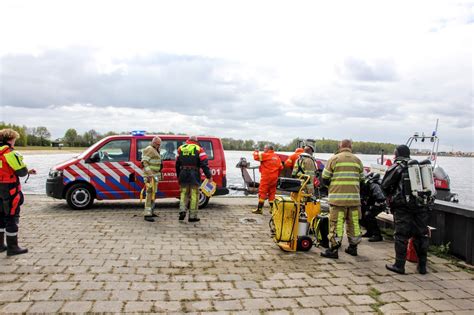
373,202
409,214
191,158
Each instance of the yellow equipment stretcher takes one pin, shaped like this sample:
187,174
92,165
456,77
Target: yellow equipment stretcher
292,214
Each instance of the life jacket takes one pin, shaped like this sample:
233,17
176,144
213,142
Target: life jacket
7,174
189,155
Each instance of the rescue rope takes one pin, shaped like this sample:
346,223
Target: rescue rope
147,185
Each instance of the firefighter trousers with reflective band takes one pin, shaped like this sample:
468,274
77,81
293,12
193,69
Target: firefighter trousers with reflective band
411,223
340,216
11,198
267,189
151,184
189,195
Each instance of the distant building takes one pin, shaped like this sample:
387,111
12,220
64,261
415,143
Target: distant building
57,143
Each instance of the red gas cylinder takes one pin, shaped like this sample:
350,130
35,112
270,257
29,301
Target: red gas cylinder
411,253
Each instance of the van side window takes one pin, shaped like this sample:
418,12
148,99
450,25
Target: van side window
207,146
169,149
115,151
141,144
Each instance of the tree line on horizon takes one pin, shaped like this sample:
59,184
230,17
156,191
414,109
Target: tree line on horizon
40,136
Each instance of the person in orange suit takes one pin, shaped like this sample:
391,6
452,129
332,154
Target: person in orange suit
290,161
270,167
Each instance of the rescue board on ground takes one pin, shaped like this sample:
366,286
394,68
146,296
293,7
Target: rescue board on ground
208,187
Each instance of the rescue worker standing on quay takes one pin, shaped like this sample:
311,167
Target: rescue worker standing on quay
343,174
270,167
305,165
11,197
410,217
191,158
151,161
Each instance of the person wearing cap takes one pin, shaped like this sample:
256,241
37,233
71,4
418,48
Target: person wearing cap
151,162
343,173
190,159
306,165
12,168
410,217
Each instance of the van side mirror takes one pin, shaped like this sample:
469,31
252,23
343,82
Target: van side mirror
95,157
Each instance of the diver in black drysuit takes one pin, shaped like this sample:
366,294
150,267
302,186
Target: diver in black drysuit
410,217
372,203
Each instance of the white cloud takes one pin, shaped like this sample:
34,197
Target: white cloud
256,69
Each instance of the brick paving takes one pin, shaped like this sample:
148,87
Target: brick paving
108,259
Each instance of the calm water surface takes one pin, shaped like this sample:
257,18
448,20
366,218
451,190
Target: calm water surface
460,170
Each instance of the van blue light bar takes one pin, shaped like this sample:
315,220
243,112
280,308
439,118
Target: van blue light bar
138,132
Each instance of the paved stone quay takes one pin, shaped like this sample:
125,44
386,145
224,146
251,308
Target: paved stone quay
108,259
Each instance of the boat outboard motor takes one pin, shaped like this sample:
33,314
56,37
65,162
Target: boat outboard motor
414,173
427,177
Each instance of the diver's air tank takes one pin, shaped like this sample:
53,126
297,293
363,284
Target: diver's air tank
427,177
414,174
303,224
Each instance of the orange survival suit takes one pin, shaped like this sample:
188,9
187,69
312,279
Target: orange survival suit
270,167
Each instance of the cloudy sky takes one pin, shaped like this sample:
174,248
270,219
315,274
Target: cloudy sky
276,70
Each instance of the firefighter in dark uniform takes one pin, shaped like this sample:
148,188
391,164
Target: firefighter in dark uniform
372,203
410,216
191,158
11,197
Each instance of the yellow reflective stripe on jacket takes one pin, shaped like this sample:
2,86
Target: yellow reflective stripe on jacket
343,174
15,160
344,182
351,164
348,196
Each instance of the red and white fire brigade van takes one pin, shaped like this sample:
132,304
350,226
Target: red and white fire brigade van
111,169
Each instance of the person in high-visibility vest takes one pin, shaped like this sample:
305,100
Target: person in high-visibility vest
12,168
191,158
343,173
151,161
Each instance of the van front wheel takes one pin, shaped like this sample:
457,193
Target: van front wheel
203,200
79,197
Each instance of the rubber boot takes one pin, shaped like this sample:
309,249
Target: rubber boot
271,207
398,266
149,218
330,253
351,250
182,215
2,242
421,248
259,208
12,246
194,219
421,266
